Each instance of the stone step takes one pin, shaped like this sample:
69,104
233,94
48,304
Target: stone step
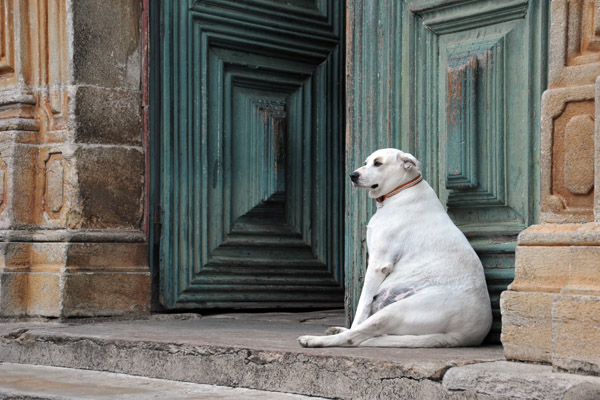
21,381
260,351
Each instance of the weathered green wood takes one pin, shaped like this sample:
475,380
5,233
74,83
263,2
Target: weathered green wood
461,123
458,84
250,154
375,108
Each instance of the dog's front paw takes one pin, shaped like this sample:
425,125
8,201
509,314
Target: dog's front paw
334,330
310,341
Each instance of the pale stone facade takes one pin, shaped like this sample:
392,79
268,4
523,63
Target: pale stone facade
551,311
71,159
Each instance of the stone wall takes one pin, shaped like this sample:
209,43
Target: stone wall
551,311
71,159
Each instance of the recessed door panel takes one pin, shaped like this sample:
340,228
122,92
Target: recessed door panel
458,84
250,154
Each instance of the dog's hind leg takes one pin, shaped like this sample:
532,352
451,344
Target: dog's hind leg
334,330
349,338
432,340
376,325
417,315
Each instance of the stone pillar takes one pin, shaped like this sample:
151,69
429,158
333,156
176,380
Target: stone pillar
551,311
71,159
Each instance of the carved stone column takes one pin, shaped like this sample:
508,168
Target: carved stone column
71,159
551,311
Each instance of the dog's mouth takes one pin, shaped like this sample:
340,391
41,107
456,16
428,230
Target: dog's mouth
375,186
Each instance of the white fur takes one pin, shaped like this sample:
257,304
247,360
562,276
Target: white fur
413,244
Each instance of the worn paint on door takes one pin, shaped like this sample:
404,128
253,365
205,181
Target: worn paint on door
458,84
251,154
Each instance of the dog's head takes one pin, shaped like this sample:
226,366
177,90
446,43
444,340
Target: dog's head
385,170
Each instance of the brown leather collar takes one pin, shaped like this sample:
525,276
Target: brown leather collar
400,188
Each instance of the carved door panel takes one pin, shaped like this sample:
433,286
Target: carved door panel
471,75
250,154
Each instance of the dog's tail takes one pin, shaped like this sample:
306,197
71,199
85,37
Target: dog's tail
432,340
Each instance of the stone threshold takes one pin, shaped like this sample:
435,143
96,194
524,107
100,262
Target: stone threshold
259,351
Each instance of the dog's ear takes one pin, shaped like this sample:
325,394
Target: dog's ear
409,161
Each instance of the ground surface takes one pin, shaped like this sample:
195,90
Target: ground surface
41,382
260,351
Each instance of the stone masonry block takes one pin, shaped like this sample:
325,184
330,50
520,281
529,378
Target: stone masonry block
106,294
30,275
527,325
111,182
106,44
19,207
13,291
561,235
15,256
576,334
541,268
62,279
104,256
106,279
45,256
585,270
510,380
44,294
108,116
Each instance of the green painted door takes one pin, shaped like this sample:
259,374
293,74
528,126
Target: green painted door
250,153
458,84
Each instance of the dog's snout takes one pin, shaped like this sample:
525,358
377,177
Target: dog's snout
354,176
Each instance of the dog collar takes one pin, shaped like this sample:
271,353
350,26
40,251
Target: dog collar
404,186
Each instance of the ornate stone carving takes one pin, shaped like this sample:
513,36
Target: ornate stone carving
54,193
564,110
597,155
48,70
579,154
549,312
7,60
3,185
583,42
50,176
574,65
33,50
574,43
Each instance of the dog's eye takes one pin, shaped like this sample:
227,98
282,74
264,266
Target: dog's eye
377,164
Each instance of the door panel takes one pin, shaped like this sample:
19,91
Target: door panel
251,154
487,83
470,76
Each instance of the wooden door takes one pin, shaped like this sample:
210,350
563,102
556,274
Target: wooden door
250,153
458,84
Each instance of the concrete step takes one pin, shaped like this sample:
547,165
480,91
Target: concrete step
260,351
19,381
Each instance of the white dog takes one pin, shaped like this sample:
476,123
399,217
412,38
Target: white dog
424,285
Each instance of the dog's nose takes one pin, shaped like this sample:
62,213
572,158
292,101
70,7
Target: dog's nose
354,176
